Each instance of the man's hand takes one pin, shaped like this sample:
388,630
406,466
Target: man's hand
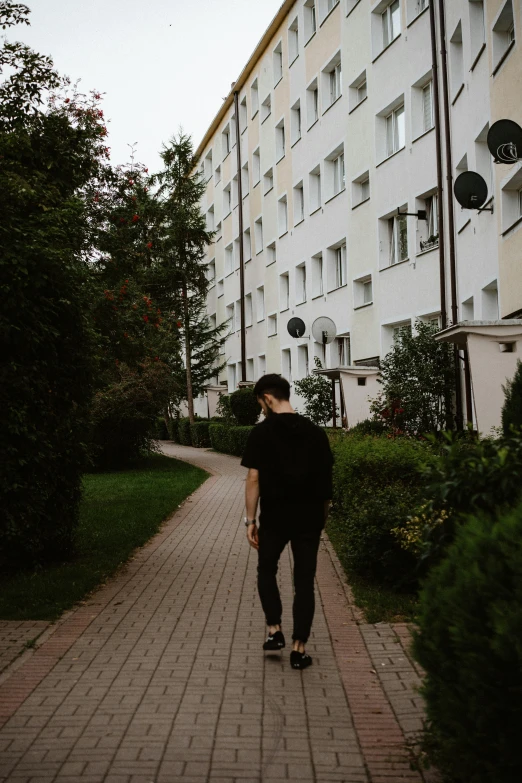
252,535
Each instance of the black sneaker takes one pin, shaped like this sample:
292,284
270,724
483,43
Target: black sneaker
275,641
300,660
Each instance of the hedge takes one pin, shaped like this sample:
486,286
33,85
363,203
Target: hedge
469,642
229,440
199,434
184,431
377,485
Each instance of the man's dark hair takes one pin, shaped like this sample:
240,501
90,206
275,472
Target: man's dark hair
273,384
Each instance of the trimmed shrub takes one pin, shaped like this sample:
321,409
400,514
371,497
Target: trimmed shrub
229,440
184,431
175,429
469,642
512,409
245,407
377,485
368,427
199,434
161,432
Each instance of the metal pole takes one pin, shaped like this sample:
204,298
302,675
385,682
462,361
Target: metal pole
241,239
440,186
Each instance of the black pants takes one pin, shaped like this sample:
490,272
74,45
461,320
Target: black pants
304,540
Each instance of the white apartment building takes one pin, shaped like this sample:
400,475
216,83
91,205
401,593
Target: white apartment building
335,139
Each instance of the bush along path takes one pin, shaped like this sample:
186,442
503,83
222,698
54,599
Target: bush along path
161,675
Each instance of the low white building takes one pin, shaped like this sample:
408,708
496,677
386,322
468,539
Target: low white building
334,141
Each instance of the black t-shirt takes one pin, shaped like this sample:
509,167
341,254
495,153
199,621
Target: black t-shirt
294,461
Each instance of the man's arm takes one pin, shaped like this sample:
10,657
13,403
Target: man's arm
251,501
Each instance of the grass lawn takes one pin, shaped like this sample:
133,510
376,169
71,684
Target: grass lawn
380,603
119,512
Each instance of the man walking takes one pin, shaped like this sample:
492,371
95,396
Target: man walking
290,470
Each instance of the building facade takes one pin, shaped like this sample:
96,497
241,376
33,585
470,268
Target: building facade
330,167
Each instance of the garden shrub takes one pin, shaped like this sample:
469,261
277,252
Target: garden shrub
175,429
229,440
368,427
124,415
469,642
245,407
377,484
199,434
161,432
512,408
184,431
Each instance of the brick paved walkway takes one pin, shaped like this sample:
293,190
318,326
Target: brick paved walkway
159,677
15,636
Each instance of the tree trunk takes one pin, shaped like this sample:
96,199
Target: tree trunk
188,357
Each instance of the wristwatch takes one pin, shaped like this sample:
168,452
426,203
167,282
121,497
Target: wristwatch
248,521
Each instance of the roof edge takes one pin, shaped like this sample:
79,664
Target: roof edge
245,73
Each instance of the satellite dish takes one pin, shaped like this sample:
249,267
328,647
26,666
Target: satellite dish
324,330
505,141
471,190
296,327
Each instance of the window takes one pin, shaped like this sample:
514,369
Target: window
399,329
503,32
395,131
217,175
468,309
284,291
256,166
428,229
456,61
278,63
211,272
261,363
300,284
258,234
415,7
336,267
361,189
303,364
268,181
245,180
477,27
254,98
225,141
247,245
358,91
266,107
332,82
280,140
260,303
391,23
398,239
271,253
235,192
237,316
248,310
490,302
310,19
229,259
344,356
511,200
227,200
282,216
317,275
427,107
218,230
298,203
237,256
312,103
295,122
243,117
339,179
327,6
220,287
272,325
362,291
210,218
483,159
286,364
208,165
229,316
293,41
315,189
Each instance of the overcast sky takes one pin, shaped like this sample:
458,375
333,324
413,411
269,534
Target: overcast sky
160,63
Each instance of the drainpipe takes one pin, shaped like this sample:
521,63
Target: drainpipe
440,187
451,218
241,249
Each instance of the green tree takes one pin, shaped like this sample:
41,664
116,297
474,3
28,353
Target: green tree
50,149
418,382
317,393
512,408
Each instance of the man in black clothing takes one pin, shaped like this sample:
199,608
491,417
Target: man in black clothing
290,470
